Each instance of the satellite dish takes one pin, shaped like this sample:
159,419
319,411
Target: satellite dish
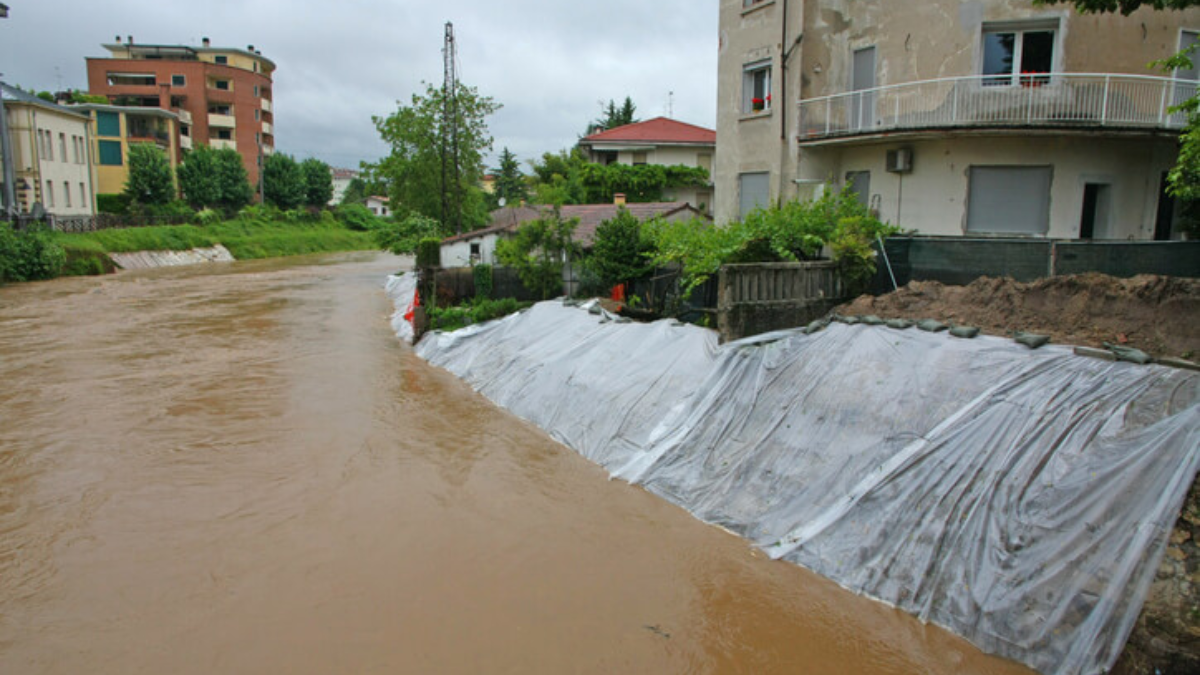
503,201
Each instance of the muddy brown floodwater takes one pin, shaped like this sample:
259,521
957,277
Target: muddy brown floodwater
237,468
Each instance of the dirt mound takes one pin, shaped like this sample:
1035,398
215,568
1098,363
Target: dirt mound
1159,315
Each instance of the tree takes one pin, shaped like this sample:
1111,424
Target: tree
214,178
568,178
619,252
283,183
612,116
539,250
421,135
150,178
318,182
510,182
356,192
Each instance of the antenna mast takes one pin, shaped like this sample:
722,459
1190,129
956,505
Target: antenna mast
451,185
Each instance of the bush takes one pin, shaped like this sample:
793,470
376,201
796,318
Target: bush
175,213
357,217
209,217
29,255
429,252
476,311
403,236
619,253
538,251
109,203
483,281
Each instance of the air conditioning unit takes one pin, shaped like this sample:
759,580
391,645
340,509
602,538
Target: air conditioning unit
900,160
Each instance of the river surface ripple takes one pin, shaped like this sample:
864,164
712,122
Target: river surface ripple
237,468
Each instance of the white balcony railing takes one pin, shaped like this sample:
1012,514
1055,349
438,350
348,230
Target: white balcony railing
1060,100
185,142
267,128
266,104
221,144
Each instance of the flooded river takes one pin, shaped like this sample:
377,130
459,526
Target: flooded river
237,468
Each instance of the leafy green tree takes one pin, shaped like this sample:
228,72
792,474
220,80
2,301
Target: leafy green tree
283,182
556,178
619,252
420,135
150,178
214,178
356,192
232,180
568,178
510,182
538,252
318,182
613,116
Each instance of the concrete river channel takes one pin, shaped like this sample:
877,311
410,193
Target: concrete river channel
238,468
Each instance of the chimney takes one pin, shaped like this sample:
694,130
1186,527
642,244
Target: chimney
118,39
205,42
619,199
250,48
130,40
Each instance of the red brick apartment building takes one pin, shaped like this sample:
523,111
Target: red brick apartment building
223,95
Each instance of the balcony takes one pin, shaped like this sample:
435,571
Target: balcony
268,150
222,121
1050,100
266,104
221,144
185,142
267,128
185,117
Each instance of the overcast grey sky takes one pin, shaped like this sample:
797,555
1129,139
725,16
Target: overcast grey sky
340,62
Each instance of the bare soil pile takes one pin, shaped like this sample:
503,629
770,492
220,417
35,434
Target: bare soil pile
1159,315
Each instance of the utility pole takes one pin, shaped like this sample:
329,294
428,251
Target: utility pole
451,199
9,176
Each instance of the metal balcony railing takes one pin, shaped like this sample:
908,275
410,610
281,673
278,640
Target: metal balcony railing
1058,100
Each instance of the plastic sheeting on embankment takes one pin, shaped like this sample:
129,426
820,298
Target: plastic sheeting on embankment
1019,498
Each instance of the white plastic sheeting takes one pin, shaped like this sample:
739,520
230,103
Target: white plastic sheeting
1019,498
402,289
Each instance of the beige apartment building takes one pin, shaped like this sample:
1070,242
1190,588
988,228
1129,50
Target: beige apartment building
51,148
985,117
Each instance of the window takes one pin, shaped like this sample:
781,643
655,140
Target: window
756,87
108,124
50,194
178,80
110,153
1009,199
67,193
83,196
221,84
1018,55
257,114
49,146
221,58
131,79
223,134
754,191
62,147
256,91
704,161
220,110
639,158
475,251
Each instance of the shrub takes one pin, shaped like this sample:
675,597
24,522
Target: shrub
110,203
283,181
209,217
357,217
429,252
403,236
538,251
483,281
476,311
29,255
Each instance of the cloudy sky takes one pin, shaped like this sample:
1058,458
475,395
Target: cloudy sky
340,62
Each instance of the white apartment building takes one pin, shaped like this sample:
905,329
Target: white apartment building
51,155
987,117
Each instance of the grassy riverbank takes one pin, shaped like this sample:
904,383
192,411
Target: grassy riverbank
245,237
